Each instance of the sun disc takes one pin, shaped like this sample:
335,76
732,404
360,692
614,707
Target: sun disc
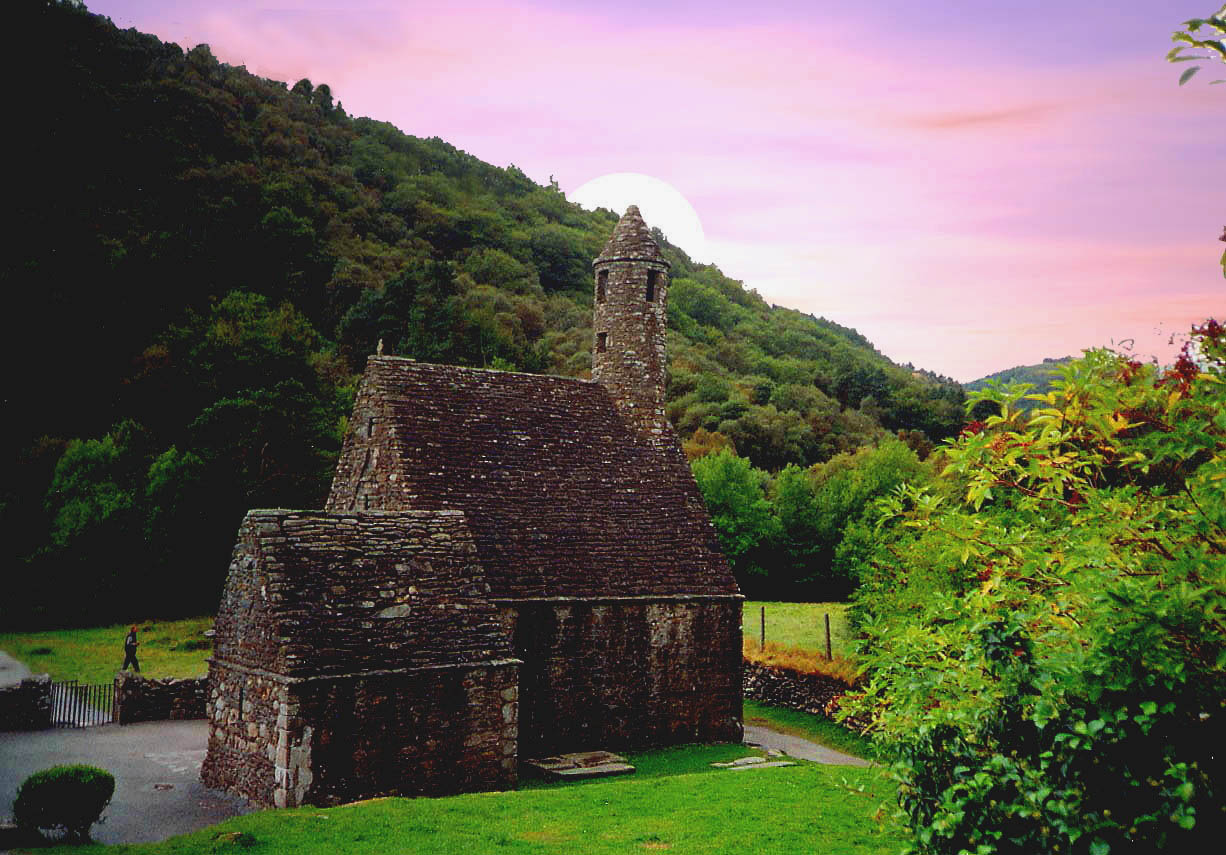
661,205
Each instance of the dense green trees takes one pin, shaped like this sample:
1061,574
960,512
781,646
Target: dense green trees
1045,628
735,497
783,533
1039,377
201,260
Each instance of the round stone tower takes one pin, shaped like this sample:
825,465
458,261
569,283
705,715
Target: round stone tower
630,324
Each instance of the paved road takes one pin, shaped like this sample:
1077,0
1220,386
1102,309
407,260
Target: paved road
156,765
794,746
12,672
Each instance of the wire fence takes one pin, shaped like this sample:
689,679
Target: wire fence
825,625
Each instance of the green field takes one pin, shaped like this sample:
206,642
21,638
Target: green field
167,649
799,625
803,808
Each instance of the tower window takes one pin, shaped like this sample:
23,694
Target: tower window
602,281
602,342
651,286
370,427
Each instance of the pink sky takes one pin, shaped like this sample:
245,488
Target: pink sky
972,184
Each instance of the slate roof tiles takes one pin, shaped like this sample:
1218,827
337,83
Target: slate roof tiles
562,498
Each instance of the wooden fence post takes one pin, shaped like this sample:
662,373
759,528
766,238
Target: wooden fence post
762,642
829,654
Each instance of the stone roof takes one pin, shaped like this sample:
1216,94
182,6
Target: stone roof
631,240
563,499
313,594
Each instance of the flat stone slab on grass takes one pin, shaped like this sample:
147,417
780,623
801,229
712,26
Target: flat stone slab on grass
753,763
740,761
580,766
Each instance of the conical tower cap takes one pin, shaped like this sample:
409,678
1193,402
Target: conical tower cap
631,241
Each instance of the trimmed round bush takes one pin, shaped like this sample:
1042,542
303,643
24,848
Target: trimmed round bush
64,798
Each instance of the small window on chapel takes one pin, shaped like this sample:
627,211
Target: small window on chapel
651,286
602,281
602,342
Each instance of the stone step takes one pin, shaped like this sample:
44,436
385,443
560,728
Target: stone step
579,765
600,770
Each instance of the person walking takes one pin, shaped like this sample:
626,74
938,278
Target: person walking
129,651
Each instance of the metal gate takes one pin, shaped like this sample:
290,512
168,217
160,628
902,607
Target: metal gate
77,705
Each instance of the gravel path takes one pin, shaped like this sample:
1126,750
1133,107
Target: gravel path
12,672
795,746
156,765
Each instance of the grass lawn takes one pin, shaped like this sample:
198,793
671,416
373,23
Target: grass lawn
674,802
802,808
799,625
167,649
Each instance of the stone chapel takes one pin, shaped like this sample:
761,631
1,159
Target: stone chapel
509,565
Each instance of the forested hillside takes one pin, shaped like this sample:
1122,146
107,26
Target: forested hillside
1040,376
200,259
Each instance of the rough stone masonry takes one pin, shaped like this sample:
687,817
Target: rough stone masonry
507,563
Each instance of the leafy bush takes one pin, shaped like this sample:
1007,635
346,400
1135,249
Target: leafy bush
1047,643
64,798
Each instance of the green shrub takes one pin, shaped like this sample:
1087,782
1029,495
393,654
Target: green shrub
64,798
1047,642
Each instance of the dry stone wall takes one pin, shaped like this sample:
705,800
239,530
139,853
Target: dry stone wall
285,742
783,687
249,726
358,655
142,699
26,705
367,476
622,674
438,732
311,594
